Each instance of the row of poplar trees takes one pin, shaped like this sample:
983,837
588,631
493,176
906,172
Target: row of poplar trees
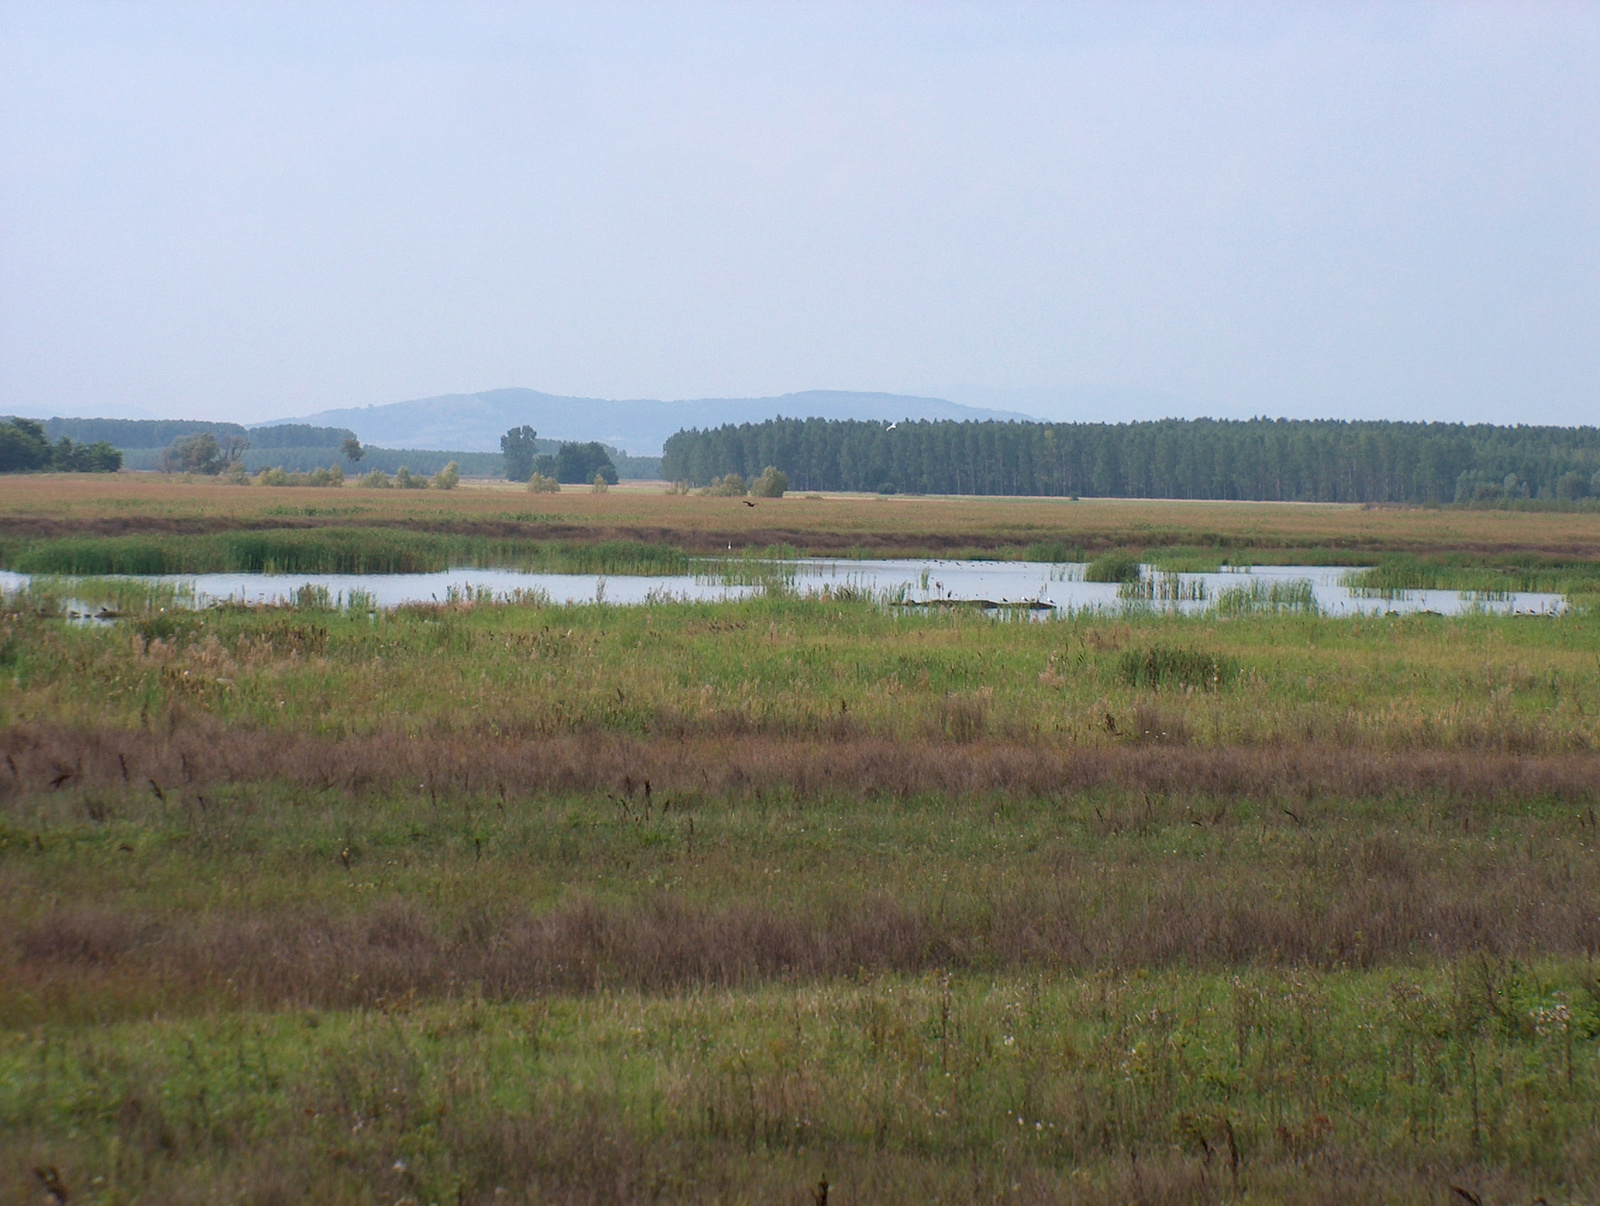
1280,459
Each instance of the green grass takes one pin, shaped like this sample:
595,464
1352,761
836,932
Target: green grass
1160,666
1266,598
1403,573
786,665
707,902
329,550
1113,567
1021,1086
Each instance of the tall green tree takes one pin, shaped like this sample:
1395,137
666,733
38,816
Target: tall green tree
519,446
23,446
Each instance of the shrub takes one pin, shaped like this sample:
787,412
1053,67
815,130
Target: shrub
888,488
731,486
447,478
332,476
406,480
1113,567
772,483
539,483
599,485
1165,666
377,480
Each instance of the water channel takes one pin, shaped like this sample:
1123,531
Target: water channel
1041,588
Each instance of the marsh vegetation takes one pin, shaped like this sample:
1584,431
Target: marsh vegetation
485,901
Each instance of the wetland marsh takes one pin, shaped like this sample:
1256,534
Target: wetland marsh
489,900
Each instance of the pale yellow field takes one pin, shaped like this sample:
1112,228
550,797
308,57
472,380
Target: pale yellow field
58,505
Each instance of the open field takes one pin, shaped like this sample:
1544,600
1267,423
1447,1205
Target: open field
518,903
128,505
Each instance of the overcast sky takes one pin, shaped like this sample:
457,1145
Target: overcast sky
246,212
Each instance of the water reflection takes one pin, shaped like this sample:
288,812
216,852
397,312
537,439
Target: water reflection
1038,588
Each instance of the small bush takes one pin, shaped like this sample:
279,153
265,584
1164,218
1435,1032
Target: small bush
376,480
447,478
1165,666
772,483
1113,567
731,486
599,485
406,480
541,483
332,476
888,488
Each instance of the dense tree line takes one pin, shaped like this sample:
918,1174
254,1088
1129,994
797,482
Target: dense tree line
24,448
163,433
1280,459
138,433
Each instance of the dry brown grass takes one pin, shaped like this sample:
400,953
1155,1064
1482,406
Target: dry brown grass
583,1155
186,755
52,505
1379,902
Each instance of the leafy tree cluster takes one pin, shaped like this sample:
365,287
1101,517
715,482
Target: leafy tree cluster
527,456
25,448
1269,459
204,453
580,463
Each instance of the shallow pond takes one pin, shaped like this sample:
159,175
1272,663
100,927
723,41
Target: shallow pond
1046,588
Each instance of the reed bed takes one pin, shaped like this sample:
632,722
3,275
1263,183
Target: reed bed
327,550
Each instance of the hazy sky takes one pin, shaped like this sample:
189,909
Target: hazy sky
246,212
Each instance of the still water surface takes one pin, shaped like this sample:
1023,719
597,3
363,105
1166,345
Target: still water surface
1052,588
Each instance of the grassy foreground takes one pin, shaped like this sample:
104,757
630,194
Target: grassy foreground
518,903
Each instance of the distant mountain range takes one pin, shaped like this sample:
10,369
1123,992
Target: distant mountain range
475,422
